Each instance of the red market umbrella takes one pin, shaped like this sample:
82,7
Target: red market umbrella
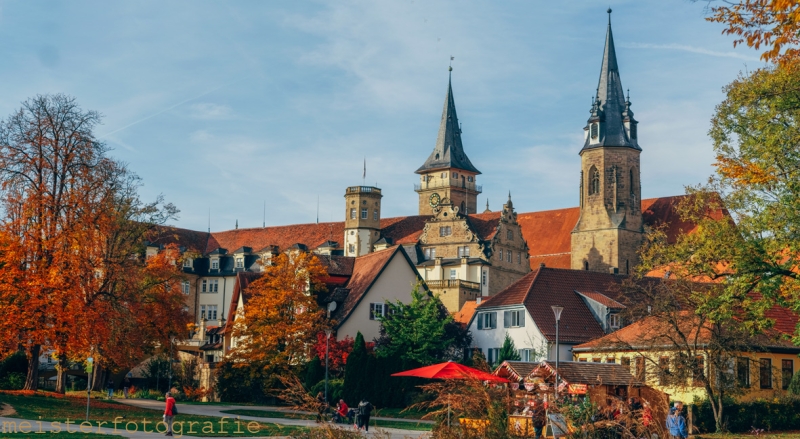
450,371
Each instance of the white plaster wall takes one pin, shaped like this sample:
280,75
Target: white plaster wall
527,337
395,283
221,298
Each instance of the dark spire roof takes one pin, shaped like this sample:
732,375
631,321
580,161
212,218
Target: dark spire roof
610,104
448,152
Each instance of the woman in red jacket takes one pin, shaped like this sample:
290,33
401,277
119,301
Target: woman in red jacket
169,412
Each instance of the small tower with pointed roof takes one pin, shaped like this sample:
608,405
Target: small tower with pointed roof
609,231
448,175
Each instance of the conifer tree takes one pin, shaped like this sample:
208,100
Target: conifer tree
354,371
508,352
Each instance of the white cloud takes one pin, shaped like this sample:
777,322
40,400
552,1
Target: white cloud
210,111
686,48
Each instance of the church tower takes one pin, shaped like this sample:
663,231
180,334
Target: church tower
609,231
448,177
362,222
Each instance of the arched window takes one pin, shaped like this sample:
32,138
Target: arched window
586,265
594,181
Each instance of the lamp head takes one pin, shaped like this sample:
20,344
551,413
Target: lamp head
557,311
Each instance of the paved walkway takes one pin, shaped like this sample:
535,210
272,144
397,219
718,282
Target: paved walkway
216,411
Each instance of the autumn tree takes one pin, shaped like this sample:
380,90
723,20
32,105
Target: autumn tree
338,350
282,317
72,233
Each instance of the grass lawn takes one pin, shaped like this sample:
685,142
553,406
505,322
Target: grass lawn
63,435
765,435
399,413
405,425
60,409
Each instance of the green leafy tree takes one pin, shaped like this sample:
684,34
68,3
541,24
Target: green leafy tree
508,352
314,372
421,331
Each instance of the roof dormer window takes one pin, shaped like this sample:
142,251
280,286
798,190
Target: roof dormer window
215,264
239,262
187,263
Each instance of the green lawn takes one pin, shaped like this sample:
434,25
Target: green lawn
62,434
765,435
405,425
61,410
399,413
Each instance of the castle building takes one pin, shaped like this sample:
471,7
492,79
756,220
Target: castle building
610,230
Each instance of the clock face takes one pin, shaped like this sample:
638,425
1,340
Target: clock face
435,200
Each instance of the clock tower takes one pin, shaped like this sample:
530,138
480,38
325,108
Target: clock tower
448,176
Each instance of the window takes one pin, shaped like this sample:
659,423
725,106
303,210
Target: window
470,179
596,360
519,258
500,254
582,359
463,252
351,248
487,320
430,253
630,181
743,372
444,174
205,286
187,263
455,174
508,253
787,371
453,274
663,371
594,181
586,265
493,355
765,373
353,213
185,287
611,360
483,278
215,264
239,262
445,231
376,310
633,131
698,371
639,373
513,319
363,213
375,215
202,312
625,361
510,235
594,131
527,355
614,321
214,286
211,312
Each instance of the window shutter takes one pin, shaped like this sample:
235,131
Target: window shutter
493,320
480,321
506,319
372,311
521,318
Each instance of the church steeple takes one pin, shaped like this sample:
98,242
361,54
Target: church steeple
611,122
449,151
447,176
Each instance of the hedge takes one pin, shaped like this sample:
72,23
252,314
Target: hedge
741,417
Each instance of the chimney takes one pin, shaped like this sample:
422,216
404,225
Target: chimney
613,270
479,300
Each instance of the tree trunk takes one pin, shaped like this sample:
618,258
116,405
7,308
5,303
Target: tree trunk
32,379
61,374
98,379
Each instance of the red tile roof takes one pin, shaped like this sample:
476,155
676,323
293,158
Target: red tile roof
467,311
366,270
545,287
602,299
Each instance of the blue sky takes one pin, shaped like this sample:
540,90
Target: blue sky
228,105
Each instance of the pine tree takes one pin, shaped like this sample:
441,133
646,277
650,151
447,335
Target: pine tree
354,371
508,352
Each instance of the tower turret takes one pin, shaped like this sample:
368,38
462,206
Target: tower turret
448,172
609,231
362,222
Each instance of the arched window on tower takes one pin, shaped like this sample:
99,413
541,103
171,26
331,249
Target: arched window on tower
594,181
586,265
633,188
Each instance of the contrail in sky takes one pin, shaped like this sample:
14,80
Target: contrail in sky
166,109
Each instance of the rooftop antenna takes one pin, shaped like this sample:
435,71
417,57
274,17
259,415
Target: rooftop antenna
209,220
317,209
237,223
364,175
264,221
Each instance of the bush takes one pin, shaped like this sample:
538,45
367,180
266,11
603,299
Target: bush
12,381
744,416
794,385
335,390
14,363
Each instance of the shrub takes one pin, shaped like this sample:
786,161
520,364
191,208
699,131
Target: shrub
794,385
14,363
743,416
335,390
12,381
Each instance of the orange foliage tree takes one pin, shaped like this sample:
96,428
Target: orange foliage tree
71,245
282,318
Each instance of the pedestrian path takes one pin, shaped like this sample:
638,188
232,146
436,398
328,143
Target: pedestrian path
216,411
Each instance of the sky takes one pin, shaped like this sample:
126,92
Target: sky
225,107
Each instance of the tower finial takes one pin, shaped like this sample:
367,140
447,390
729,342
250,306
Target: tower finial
609,15
509,195
450,67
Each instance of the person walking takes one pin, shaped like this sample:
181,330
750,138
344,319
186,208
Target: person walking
110,388
169,413
126,385
676,423
364,411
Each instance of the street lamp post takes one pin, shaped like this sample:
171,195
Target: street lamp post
169,382
327,339
557,312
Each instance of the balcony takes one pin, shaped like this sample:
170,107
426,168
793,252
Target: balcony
441,184
453,283
363,190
